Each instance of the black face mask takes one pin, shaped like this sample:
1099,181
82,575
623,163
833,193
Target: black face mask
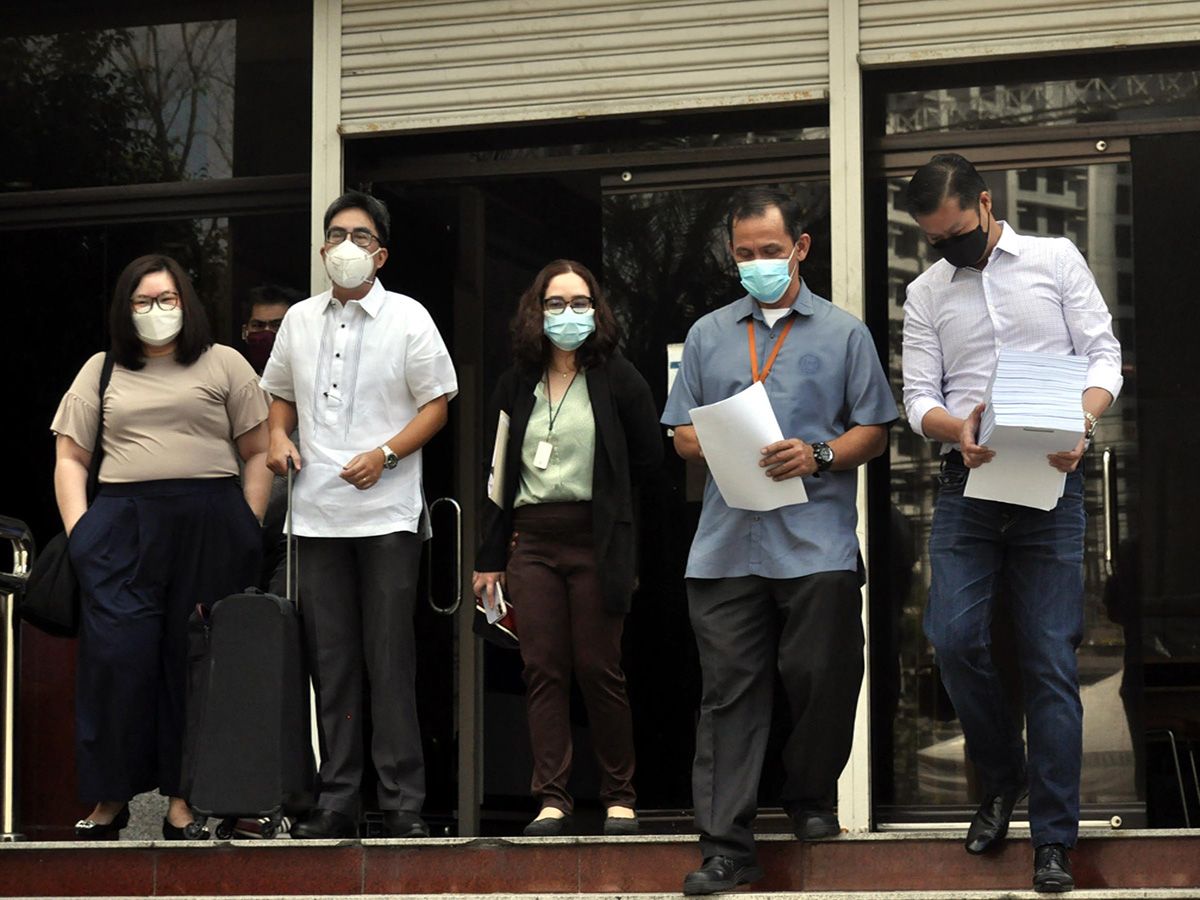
964,249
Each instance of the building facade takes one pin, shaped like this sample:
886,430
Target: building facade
504,134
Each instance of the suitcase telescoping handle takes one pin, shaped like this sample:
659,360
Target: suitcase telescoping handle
287,578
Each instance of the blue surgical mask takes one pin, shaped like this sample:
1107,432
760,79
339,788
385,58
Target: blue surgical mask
766,280
569,329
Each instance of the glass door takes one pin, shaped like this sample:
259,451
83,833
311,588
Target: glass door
927,776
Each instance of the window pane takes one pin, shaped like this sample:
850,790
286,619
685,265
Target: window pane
1066,102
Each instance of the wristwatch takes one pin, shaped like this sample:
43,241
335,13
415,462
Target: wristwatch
390,459
823,454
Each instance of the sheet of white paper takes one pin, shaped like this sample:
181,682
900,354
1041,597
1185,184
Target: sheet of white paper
1019,472
499,456
495,612
732,434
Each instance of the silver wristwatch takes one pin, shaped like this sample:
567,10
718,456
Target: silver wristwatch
390,459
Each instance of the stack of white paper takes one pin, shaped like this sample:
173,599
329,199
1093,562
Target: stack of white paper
1034,408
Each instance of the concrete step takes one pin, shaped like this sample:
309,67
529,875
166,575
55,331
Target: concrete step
1120,863
1098,894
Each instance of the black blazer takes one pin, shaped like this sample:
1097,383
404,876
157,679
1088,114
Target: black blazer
629,447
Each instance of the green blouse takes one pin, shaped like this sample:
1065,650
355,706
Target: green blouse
568,477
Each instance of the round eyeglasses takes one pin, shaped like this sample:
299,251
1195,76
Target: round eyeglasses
361,236
556,306
166,300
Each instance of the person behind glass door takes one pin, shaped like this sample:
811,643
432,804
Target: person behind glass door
268,304
168,528
778,590
364,375
582,433
996,288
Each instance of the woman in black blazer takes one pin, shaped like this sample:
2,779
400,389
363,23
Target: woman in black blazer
583,431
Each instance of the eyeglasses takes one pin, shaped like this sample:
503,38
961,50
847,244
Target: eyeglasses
556,306
165,301
361,236
263,325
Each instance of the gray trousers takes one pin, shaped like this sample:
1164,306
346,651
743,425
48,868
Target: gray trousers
357,598
809,628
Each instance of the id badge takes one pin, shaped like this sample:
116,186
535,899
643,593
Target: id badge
541,459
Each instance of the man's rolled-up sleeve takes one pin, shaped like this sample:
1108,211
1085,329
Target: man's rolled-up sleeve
922,364
1088,320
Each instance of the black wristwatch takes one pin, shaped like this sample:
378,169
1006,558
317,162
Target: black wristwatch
823,454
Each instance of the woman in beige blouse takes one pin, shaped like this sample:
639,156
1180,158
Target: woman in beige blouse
169,527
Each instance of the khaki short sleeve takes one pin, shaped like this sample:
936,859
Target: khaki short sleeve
246,402
78,414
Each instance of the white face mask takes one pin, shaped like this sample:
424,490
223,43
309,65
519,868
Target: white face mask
349,265
159,326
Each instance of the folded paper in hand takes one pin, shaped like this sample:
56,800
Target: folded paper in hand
732,433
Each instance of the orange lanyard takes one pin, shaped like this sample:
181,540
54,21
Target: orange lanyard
774,353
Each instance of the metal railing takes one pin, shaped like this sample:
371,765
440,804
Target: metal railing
11,585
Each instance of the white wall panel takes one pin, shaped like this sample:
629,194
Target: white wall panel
414,64
925,31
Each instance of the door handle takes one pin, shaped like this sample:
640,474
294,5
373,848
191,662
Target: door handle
1108,472
458,569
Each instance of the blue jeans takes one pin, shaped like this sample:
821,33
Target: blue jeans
975,548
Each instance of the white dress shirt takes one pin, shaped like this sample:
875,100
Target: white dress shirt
358,374
1035,294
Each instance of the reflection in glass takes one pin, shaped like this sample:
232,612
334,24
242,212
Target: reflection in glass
118,106
930,766
1101,99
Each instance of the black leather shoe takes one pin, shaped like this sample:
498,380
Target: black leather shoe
720,873
400,824
547,827
618,825
990,822
87,830
1052,870
813,826
192,831
325,823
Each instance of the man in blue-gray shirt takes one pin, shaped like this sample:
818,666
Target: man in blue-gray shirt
777,589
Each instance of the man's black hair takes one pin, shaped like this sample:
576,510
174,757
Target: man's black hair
271,294
753,202
946,175
372,206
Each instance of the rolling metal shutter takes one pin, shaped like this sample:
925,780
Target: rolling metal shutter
420,64
897,32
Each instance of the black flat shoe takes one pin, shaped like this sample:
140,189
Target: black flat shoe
720,874
618,825
325,823
989,825
1052,870
547,827
192,831
400,824
815,825
87,830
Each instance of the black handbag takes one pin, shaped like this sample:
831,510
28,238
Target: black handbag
51,600
502,632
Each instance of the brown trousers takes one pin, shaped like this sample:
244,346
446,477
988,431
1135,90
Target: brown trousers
565,629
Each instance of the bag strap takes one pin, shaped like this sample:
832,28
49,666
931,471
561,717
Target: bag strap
93,480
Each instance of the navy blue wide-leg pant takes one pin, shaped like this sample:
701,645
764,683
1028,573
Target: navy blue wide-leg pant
145,554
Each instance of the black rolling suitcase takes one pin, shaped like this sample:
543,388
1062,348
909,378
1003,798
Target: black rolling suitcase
248,749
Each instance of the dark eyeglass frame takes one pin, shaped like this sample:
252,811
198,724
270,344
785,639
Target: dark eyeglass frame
556,305
166,301
256,325
362,237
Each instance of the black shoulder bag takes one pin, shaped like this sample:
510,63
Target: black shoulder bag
51,596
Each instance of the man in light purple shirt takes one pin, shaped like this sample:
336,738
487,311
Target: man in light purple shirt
993,289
